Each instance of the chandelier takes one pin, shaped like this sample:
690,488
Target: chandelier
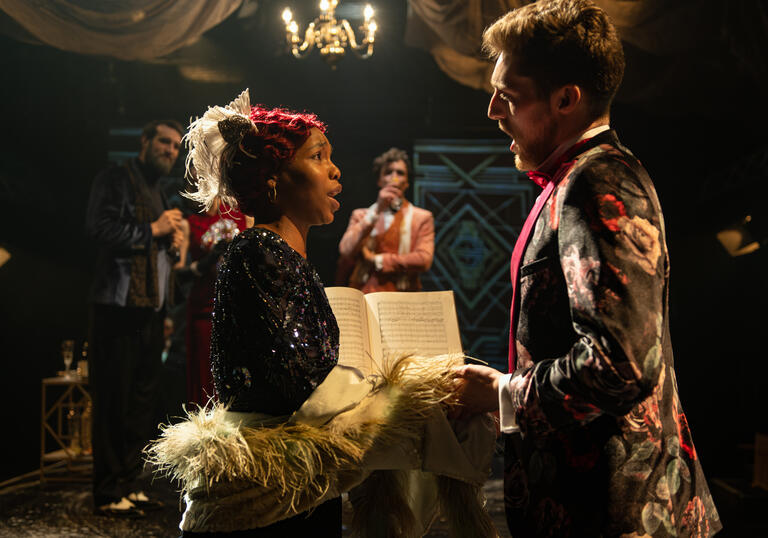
330,35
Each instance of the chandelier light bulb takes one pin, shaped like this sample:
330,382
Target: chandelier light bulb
324,5
293,27
368,12
372,27
287,16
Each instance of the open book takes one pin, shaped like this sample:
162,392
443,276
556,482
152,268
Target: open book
375,325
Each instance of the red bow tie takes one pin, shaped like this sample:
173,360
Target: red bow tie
540,178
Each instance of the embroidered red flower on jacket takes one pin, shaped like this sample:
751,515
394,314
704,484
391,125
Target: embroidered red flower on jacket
611,209
580,410
684,433
694,518
637,235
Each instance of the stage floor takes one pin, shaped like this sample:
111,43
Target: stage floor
65,509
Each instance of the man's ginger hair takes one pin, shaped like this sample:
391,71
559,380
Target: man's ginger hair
559,42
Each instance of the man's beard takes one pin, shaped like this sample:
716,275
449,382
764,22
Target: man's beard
520,165
162,167
536,150
523,162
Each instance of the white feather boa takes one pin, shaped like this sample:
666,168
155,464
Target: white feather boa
390,428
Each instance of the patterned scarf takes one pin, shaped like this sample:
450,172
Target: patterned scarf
142,290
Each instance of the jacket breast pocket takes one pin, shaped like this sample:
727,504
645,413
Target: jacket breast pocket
536,265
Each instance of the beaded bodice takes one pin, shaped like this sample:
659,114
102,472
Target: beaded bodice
274,335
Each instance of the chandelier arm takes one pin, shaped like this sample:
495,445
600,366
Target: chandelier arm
301,51
350,33
353,41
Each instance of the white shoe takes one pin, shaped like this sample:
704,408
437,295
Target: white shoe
137,496
123,508
140,499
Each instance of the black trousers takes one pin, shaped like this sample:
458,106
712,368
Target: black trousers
324,521
125,370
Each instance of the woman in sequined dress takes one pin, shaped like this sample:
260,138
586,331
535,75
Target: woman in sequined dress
292,429
274,335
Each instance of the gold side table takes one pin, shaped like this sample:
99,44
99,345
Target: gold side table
66,423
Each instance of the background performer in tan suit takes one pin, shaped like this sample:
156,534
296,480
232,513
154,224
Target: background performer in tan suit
387,245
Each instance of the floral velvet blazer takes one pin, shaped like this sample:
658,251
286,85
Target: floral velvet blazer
604,447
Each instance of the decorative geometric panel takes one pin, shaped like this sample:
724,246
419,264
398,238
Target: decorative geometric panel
480,201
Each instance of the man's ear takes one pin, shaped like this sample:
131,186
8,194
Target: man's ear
567,98
144,145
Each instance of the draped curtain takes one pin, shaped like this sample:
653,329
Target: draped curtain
124,29
665,40
673,47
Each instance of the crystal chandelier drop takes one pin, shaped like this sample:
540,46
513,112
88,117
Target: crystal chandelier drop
330,35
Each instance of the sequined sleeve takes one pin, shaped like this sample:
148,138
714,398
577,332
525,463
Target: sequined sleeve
274,336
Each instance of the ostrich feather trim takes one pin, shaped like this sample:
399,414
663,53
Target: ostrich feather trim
207,152
237,477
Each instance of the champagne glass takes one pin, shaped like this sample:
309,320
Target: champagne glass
67,353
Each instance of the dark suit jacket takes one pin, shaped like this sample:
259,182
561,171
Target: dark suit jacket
605,447
111,222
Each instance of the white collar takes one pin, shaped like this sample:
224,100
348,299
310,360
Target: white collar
562,148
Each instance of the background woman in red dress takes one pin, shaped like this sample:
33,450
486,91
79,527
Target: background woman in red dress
209,234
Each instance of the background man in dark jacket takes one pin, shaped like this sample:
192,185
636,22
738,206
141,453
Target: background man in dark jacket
137,237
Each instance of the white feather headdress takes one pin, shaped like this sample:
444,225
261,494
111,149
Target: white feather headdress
207,149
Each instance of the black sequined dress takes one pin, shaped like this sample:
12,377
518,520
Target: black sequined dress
274,339
274,335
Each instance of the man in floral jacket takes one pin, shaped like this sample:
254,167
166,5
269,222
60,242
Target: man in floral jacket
596,441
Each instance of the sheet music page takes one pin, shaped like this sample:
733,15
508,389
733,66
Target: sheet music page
350,310
416,322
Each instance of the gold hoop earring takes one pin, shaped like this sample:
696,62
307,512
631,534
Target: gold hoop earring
272,195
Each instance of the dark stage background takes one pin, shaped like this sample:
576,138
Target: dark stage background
703,142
